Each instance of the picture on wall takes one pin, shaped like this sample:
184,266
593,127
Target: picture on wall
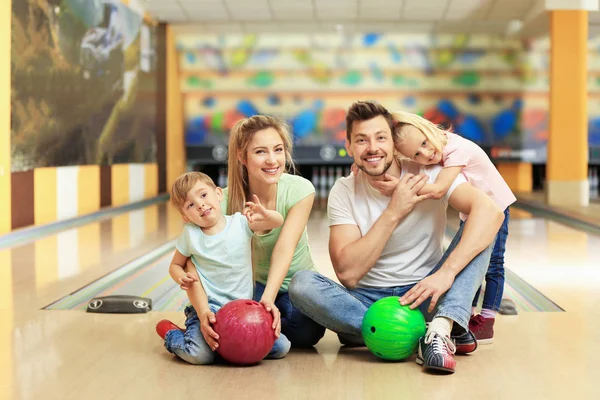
83,84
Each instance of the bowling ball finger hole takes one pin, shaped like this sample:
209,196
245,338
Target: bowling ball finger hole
373,329
249,303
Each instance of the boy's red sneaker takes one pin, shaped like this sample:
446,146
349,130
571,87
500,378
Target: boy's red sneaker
165,326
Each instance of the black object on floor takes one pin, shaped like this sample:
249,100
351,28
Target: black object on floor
119,304
508,307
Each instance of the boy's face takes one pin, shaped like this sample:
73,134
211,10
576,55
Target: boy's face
203,205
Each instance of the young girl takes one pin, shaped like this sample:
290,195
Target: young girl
422,141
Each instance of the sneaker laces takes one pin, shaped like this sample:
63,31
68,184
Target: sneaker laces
441,344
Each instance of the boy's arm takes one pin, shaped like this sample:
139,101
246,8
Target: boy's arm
194,288
199,300
442,183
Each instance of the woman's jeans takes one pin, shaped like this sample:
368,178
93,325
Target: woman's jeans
301,330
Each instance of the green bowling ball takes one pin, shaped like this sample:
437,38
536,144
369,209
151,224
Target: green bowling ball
392,331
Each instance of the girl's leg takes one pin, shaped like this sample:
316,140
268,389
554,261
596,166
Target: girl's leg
494,278
482,325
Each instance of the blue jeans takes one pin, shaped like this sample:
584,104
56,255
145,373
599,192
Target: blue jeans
190,345
301,330
342,310
494,278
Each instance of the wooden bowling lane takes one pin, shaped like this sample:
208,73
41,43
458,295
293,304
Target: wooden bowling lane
75,355
48,268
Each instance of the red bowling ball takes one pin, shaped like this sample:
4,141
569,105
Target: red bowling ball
245,332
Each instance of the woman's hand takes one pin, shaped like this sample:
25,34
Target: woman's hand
272,308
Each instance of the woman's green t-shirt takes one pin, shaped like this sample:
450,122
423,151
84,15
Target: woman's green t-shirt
290,190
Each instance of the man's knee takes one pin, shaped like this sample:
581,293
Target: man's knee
301,284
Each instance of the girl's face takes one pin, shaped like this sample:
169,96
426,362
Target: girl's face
416,147
265,157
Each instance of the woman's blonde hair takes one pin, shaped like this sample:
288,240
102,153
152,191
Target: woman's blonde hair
436,135
237,186
239,139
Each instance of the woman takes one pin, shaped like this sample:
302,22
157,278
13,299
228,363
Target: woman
259,155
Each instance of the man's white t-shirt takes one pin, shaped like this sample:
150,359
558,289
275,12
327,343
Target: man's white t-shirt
415,246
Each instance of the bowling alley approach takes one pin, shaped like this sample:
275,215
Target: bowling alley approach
299,199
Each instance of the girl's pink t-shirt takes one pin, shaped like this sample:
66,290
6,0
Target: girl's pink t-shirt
477,168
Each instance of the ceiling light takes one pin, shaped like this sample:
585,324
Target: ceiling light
514,26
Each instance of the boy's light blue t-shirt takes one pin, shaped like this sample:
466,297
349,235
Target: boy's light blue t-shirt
223,261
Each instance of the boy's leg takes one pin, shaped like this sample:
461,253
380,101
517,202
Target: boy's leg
280,348
332,305
190,345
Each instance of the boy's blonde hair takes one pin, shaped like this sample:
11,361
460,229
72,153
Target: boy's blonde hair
184,184
436,135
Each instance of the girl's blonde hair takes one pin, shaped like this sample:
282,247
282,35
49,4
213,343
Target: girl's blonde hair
239,139
436,135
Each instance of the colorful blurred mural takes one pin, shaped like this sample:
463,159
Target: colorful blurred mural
83,84
491,90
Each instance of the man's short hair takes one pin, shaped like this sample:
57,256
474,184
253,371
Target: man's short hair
364,111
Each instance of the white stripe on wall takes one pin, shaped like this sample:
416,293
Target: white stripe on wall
68,253
136,182
137,227
66,192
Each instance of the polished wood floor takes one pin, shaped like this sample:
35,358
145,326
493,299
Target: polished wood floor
73,355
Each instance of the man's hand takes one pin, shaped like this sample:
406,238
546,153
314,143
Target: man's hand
405,195
210,336
433,286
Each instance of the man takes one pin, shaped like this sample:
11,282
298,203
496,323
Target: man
382,246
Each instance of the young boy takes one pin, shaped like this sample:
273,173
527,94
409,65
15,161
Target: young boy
219,247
